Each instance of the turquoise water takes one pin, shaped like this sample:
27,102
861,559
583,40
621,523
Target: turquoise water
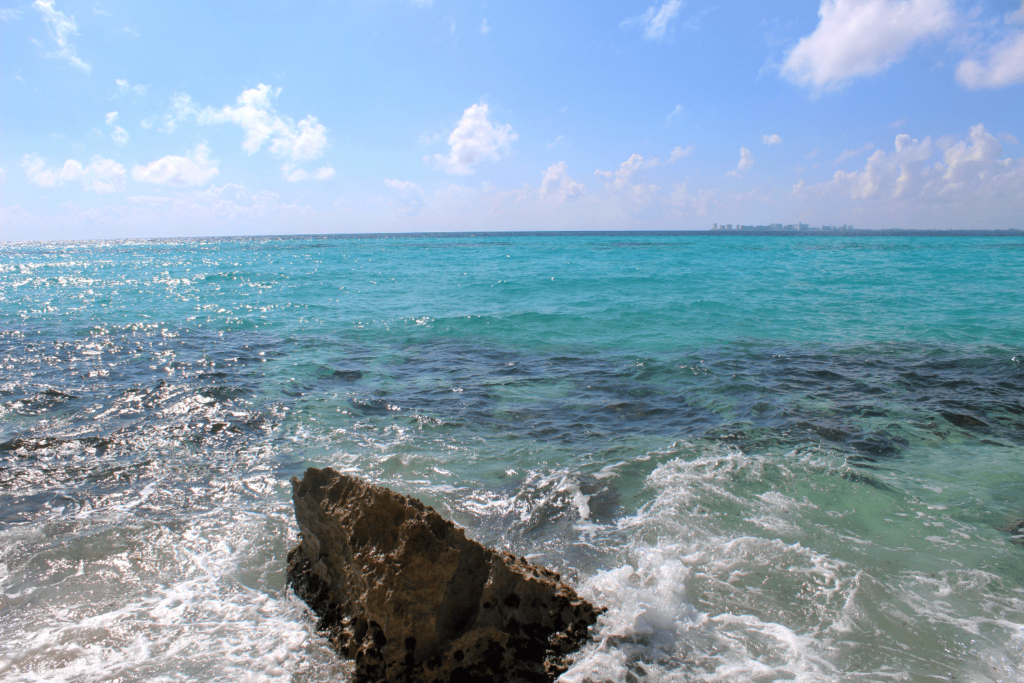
771,458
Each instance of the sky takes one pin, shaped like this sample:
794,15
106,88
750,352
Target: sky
128,119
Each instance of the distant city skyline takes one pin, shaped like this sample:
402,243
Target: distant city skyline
780,226
163,119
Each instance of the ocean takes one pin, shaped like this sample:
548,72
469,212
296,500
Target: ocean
793,458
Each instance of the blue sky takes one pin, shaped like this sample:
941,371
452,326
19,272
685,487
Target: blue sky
123,119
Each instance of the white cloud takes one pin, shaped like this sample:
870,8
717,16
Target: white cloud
862,38
1003,66
745,162
182,108
680,152
3,175
473,140
970,168
637,195
410,197
558,186
849,153
674,112
403,185
484,28
294,174
194,169
620,179
60,26
655,21
557,141
124,86
37,173
119,134
422,3
101,175
10,14
256,115
772,139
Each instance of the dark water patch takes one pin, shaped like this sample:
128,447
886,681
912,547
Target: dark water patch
964,421
347,375
860,477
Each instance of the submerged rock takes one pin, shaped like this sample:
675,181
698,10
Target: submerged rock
404,593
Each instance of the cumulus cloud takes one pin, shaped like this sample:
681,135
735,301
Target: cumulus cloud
558,186
196,168
101,175
1002,66
255,113
745,162
655,21
475,139
61,27
862,38
772,139
294,174
679,153
638,195
973,167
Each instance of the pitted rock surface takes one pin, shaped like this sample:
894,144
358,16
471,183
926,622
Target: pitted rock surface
404,593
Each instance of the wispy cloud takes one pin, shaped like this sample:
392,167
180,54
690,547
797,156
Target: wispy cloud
850,153
293,174
675,112
124,86
655,21
60,27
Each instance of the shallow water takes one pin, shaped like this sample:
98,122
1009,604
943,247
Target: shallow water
770,458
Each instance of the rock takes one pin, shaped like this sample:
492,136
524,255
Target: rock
404,593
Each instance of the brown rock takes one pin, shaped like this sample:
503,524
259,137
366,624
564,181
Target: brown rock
404,593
